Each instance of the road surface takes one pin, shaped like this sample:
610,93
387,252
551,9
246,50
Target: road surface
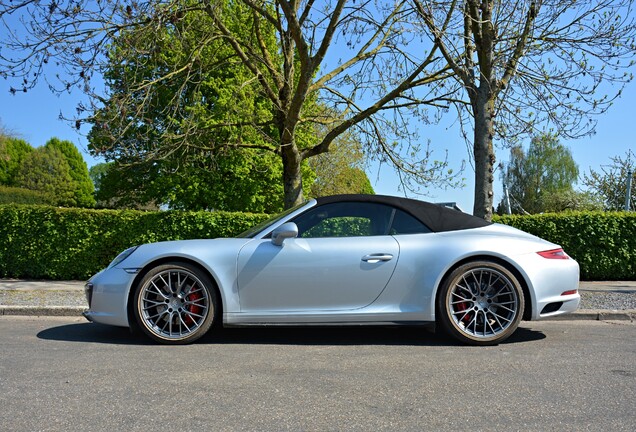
66,374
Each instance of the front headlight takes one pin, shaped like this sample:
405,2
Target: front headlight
122,256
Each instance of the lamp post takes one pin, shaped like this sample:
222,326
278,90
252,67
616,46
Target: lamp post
506,199
628,195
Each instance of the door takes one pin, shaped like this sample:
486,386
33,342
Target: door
315,274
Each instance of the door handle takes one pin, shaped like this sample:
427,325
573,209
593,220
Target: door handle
374,258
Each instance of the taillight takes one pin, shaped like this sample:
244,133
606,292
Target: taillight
554,254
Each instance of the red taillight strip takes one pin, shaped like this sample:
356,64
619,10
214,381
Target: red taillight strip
564,293
554,254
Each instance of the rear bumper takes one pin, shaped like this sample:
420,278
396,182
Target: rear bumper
549,280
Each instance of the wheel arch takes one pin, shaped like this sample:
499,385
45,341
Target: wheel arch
527,313
164,260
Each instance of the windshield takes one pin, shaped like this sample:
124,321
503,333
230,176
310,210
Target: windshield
261,226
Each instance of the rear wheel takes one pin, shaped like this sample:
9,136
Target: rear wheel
175,303
480,303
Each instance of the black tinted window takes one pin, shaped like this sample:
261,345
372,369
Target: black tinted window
347,219
404,223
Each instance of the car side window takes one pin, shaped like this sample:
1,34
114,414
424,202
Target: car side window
404,223
346,219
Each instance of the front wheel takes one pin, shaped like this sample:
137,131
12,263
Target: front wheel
480,303
175,303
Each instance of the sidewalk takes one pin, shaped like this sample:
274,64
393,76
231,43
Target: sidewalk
600,301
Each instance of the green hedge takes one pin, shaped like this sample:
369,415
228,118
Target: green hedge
43,242
604,244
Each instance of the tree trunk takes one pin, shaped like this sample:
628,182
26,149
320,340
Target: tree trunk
292,176
483,110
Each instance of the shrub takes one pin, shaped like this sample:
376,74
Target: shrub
604,244
14,195
44,242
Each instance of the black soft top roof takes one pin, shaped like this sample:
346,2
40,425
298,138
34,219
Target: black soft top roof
438,218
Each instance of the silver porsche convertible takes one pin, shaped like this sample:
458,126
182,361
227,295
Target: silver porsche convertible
342,260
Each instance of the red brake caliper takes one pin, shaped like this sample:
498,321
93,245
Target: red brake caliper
462,307
193,308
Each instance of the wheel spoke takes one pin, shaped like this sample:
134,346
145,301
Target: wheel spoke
195,301
184,324
499,293
466,312
503,303
494,315
154,303
488,323
504,307
192,314
463,299
158,314
158,290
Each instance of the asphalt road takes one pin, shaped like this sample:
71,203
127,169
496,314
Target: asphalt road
65,374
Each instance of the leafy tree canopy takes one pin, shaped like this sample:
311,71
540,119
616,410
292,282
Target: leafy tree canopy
341,171
82,184
19,167
12,152
236,180
609,184
14,195
540,179
219,166
47,171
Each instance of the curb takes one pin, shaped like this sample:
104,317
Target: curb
596,315
76,311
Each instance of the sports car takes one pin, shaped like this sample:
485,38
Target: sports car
342,260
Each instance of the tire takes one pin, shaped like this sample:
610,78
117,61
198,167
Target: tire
480,303
175,303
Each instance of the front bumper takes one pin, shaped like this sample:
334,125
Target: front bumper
107,295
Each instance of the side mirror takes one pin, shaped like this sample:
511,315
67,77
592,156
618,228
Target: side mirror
285,231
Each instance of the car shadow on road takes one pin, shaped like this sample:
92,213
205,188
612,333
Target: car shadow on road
93,333
364,335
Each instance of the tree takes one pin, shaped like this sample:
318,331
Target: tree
122,188
82,185
12,153
609,184
238,180
14,195
97,173
540,179
520,66
46,170
279,45
341,171
206,171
